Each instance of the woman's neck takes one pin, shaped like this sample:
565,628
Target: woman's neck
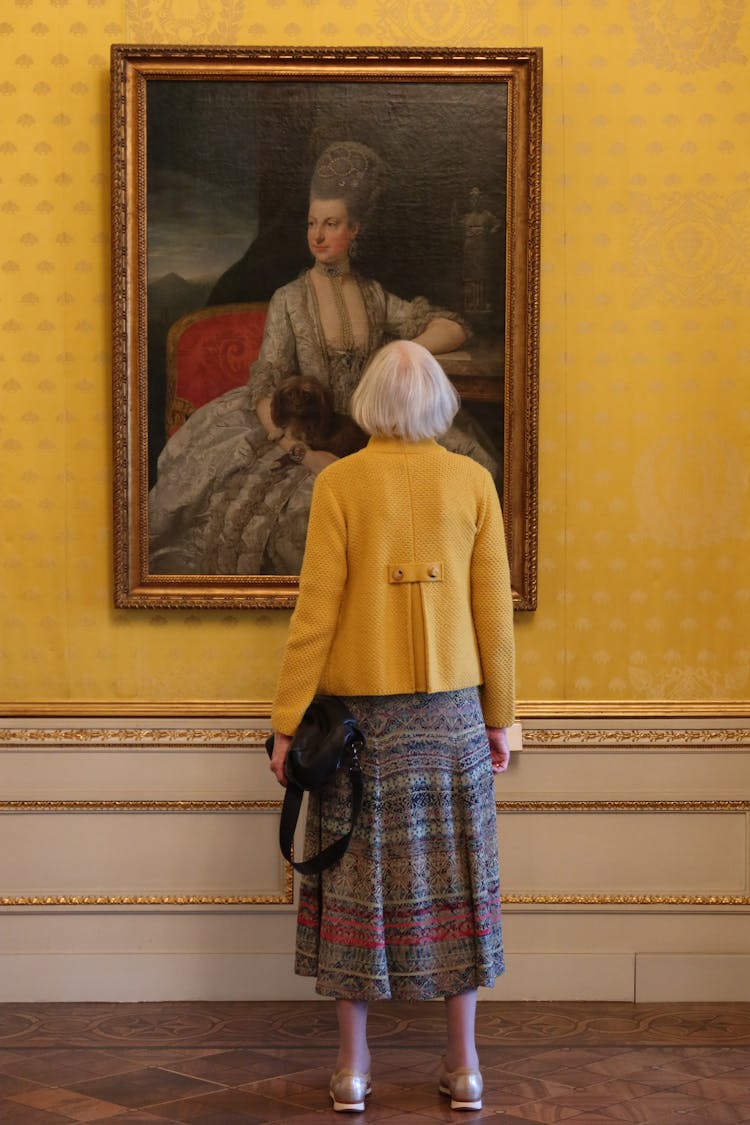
335,269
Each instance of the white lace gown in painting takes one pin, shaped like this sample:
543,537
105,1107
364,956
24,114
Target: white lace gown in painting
225,500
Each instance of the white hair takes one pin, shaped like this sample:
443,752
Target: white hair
404,393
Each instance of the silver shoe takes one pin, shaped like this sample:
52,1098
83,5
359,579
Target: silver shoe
463,1086
348,1091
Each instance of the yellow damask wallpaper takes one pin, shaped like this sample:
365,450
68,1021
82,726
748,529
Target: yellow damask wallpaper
644,583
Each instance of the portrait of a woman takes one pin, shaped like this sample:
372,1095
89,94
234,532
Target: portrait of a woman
233,488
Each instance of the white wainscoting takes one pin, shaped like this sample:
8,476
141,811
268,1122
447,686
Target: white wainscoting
139,857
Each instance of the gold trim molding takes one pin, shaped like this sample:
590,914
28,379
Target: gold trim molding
116,738
286,898
740,806
588,739
700,738
152,806
136,709
138,806
550,709
633,709
625,900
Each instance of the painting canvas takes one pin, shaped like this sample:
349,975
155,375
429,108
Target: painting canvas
214,152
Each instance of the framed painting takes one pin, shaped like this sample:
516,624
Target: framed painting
220,156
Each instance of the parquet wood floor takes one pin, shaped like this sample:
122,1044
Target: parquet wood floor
257,1063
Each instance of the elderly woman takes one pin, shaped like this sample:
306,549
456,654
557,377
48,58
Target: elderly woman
233,490
405,611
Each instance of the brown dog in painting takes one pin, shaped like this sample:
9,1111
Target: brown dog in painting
304,409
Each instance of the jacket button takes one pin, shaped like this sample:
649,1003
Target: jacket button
433,572
397,574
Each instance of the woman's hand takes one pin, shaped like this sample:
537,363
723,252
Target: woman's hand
281,744
317,459
499,748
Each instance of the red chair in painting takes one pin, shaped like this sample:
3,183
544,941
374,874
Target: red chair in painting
209,352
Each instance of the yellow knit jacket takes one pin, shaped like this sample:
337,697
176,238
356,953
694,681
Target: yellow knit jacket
404,586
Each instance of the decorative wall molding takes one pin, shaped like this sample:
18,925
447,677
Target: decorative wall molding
625,807
625,900
283,897
120,738
553,729
634,709
176,709
741,806
34,806
644,738
137,806
151,900
549,709
239,740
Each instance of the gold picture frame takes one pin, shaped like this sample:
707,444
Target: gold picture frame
212,151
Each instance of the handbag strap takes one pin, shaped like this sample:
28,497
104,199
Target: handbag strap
290,811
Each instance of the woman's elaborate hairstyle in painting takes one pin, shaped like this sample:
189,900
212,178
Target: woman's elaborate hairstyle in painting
353,172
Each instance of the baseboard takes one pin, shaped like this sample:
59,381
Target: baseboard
617,977
77,978
694,977
565,976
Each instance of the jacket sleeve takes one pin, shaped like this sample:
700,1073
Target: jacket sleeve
492,611
313,623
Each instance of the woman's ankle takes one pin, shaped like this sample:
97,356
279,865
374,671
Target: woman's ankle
357,1060
354,1053
460,1058
461,1049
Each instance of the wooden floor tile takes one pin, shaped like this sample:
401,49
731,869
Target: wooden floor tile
226,1064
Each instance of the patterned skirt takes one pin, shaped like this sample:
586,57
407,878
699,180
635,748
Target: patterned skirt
412,910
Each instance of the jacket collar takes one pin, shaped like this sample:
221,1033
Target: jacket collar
380,444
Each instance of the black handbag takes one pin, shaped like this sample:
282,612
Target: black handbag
326,740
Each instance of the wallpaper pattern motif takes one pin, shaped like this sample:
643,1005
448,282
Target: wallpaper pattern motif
644,589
